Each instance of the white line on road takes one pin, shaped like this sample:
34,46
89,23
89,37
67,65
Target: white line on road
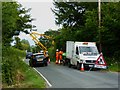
43,77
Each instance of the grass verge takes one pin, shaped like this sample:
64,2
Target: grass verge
16,73
114,68
27,77
113,65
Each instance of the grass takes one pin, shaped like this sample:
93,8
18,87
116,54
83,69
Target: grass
114,68
113,65
27,77
32,78
18,73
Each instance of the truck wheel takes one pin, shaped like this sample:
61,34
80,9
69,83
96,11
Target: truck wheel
78,66
64,64
69,64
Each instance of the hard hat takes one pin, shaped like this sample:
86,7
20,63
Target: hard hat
56,49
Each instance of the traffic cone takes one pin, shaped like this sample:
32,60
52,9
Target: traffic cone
82,67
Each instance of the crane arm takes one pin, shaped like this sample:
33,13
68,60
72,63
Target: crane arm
34,38
38,43
48,37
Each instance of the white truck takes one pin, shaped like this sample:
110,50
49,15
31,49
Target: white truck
81,52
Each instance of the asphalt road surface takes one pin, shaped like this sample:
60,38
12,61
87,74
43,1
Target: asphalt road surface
63,77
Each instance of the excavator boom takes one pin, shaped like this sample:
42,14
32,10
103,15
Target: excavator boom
35,39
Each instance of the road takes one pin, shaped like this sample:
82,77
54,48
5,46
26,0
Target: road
63,77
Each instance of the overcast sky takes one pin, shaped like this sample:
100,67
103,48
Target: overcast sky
41,11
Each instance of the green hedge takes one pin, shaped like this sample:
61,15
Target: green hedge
51,53
11,59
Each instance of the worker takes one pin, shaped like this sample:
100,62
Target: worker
64,58
64,55
57,56
60,56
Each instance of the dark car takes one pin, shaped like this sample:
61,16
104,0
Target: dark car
38,59
28,55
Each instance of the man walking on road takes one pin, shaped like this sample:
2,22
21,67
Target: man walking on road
60,56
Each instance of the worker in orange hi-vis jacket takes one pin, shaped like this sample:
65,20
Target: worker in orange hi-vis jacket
57,56
60,56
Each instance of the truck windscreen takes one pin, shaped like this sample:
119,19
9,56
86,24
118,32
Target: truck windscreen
88,50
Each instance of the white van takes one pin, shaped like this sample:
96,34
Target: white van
81,52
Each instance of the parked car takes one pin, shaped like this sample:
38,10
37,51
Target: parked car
28,55
38,59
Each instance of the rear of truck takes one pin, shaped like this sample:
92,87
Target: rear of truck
69,49
69,52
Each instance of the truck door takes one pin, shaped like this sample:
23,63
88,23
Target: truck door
76,55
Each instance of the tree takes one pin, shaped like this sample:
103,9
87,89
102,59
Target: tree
52,34
79,22
25,45
35,48
18,43
14,18
110,29
69,14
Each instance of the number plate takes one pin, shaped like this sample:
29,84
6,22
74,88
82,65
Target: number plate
39,59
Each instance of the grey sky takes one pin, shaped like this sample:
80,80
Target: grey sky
41,11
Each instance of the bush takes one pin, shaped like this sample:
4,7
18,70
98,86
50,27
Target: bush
52,53
11,59
113,64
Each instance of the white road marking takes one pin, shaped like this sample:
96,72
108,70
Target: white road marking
43,77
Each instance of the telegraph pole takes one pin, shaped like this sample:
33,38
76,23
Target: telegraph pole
99,27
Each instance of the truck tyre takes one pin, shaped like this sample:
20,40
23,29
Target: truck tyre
63,63
69,64
78,66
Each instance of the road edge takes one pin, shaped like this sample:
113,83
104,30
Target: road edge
50,85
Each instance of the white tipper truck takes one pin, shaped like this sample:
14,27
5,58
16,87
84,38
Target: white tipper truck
81,52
